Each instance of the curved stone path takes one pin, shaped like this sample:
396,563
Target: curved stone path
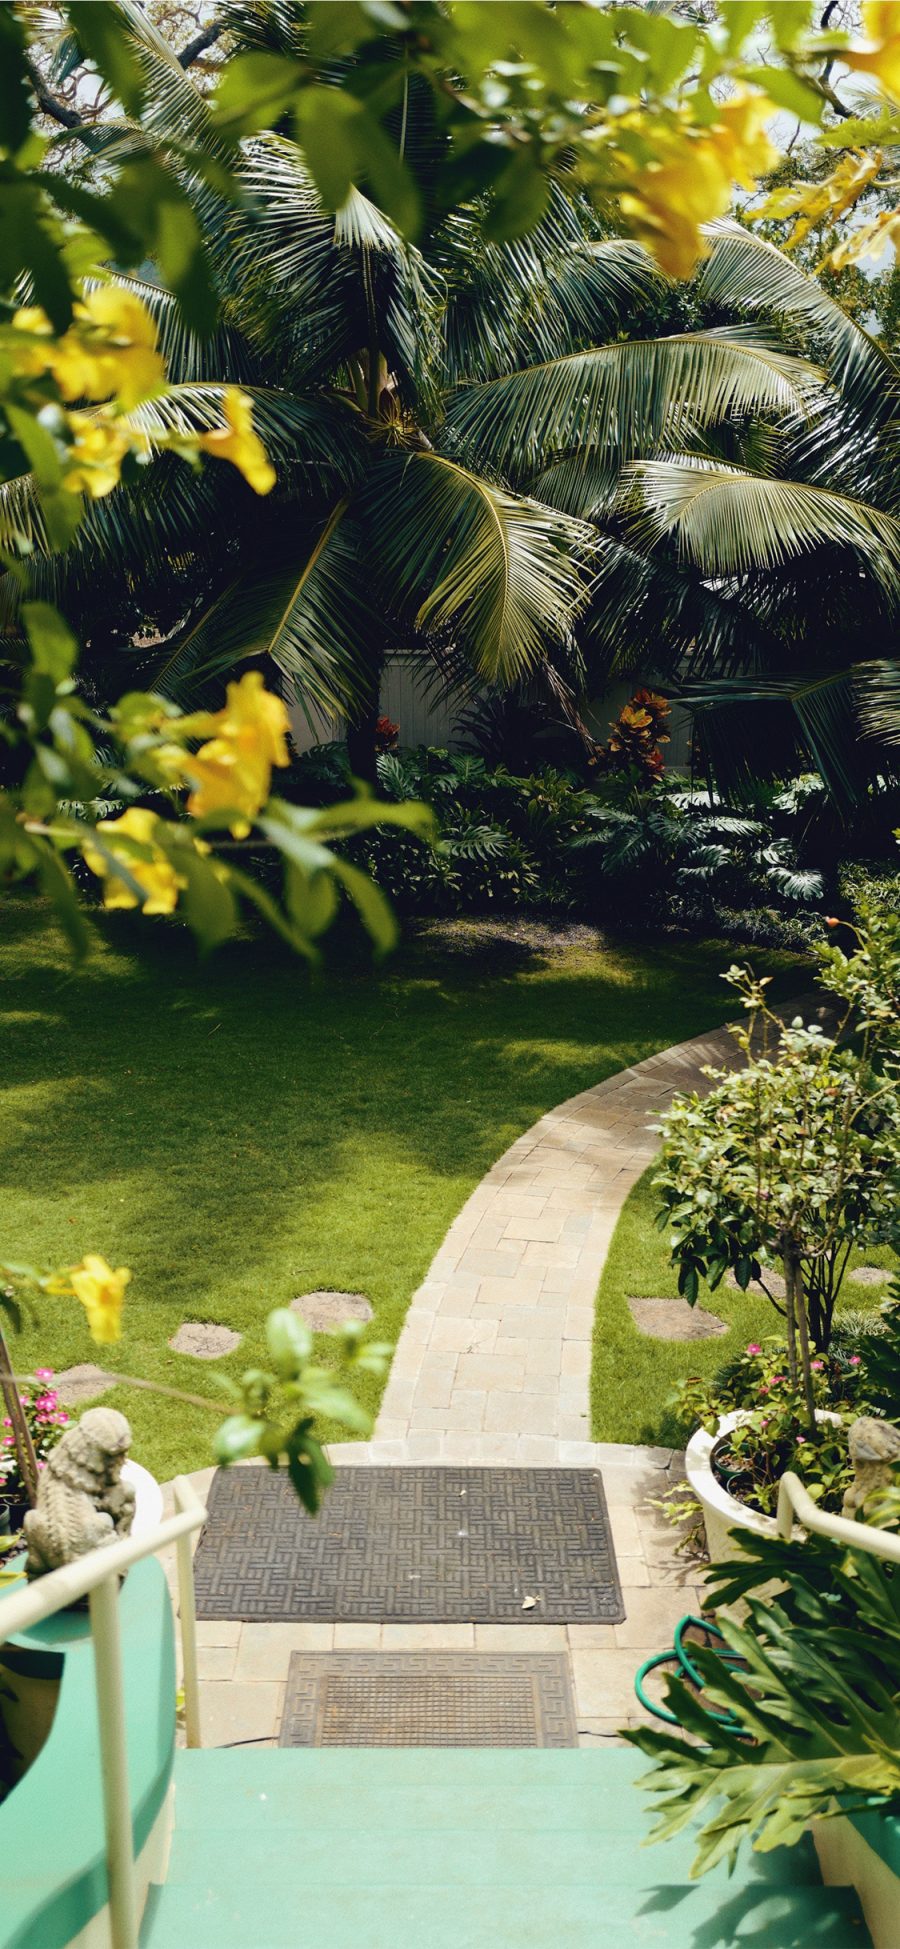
493,1363
493,1366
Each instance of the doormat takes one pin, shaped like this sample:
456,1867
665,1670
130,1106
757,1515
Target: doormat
411,1545
428,1698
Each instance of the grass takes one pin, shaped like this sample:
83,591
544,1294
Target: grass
632,1375
238,1134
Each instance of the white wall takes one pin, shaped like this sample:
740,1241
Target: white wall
425,717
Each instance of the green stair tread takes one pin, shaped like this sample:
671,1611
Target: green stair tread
472,1855
409,1915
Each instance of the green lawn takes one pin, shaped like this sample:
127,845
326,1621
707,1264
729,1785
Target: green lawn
631,1374
238,1134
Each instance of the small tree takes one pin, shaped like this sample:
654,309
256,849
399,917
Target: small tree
795,1156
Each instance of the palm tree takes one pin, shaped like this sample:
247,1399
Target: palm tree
760,564
445,421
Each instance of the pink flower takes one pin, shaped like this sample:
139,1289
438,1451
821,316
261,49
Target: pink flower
800,1440
817,1366
43,1373
777,1377
854,1360
753,1348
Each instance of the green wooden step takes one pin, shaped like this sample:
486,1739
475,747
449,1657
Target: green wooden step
344,1848
474,1858
460,1812
408,1914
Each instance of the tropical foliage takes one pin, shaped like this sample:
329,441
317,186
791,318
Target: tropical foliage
794,1158
615,848
494,438
808,1722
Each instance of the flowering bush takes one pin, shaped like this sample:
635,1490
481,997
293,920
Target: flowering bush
775,1435
46,1420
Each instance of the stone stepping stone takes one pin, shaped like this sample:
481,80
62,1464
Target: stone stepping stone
869,1275
774,1282
203,1340
82,1383
324,1312
674,1319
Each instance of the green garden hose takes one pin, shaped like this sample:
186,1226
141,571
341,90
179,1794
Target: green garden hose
680,1658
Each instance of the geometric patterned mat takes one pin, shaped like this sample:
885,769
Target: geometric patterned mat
440,1545
428,1698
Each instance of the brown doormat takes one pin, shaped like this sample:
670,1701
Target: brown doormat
411,1545
428,1698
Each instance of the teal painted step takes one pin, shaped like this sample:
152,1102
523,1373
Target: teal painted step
453,1849
476,1812
409,1915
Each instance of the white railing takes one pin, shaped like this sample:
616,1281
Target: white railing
794,1500
96,1576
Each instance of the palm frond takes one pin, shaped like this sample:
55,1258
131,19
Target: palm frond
746,272
189,359
878,700
297,432
624,397
307,614
462,558
172,104
727,520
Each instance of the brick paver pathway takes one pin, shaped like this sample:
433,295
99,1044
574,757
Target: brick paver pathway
493,1363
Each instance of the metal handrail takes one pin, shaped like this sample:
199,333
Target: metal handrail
794,1500
96,1576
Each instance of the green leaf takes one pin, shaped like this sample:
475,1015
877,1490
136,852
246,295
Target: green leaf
53,647
322,117
150,200
788,91
289,1342
207,902
15,93
371,904
253,92
103,38
238,1437
519,199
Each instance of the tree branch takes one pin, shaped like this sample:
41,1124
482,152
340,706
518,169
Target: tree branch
66,117
198,45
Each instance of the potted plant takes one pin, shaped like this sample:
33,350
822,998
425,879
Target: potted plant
791,1160
750,1427
44,1419
797,1719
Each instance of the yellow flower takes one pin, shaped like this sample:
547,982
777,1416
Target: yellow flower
102,1294
155,876
109,350
811,202
237,442
233,771
881,54
692,180
868,240
99,448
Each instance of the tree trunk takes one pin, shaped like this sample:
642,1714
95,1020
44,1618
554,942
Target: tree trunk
798,1331
24,1446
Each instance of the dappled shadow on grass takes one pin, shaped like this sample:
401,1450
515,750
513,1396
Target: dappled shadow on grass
238,1132
241,1085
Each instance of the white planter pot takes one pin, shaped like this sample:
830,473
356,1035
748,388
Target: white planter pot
148,1498
722,1513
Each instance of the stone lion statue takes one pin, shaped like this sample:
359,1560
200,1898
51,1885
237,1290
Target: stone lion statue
875,1453
82,1502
